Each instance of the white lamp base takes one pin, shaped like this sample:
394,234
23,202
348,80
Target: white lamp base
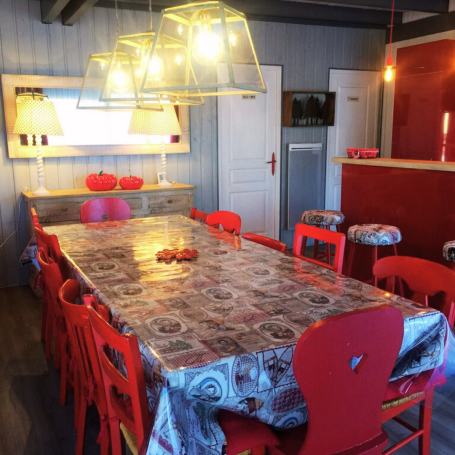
165,184
41,191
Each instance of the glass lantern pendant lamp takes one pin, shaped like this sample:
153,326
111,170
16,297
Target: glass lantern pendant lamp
94,84
203,49
129,62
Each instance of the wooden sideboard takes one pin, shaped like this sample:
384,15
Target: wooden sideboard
63,206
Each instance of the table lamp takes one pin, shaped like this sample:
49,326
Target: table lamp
37,116
157,123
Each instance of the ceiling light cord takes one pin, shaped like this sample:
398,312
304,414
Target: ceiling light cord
151,15
391,28
116,19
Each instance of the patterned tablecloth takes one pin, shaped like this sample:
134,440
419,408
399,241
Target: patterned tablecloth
220,331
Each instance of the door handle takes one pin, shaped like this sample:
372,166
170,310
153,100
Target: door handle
272,162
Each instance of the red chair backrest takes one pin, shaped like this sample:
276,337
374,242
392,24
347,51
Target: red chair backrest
266,241
49,244
35,218
105,209
137,419
53,279
424,279
198,215
344,403
230,221
304,231
82,343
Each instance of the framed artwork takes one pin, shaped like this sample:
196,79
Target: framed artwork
308,109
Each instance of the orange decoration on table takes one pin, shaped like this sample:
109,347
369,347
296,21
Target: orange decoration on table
176,253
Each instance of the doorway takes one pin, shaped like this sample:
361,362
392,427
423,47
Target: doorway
356,123
249,147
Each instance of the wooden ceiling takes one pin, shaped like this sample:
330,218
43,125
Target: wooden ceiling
343,13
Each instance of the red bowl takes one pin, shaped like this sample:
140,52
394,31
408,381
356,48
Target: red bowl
368,153
353,153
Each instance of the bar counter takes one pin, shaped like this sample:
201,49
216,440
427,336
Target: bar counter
416,196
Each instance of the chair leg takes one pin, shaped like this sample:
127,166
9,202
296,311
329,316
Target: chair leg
316,246
44,317
426,408
375,259
81,424
116,441
259,450
49,331
328,250
64,379
350,259
57,347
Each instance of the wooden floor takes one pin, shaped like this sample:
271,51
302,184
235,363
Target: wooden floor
33,423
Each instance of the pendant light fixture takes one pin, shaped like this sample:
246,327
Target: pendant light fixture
205,48
129,63
388,75
112,79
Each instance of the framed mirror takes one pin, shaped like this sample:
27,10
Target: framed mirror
86,132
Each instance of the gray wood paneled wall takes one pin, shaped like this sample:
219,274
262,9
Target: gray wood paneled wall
29,47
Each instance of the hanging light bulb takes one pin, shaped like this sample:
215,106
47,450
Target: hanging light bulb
388,75
156,68
120,79
207,46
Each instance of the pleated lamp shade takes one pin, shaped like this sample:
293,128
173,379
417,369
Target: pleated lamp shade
155,123
37,117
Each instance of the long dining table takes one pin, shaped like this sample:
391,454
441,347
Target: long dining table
219,331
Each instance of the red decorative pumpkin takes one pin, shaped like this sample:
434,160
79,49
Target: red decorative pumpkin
131,183
101,182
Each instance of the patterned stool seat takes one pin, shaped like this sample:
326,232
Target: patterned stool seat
374,234
322,217
448,251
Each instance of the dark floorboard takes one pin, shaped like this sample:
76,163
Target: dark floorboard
33,423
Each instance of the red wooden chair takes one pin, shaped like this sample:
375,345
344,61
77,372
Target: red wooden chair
243,434
133,413
305,231
230,221
342,365
198,215
266,241
105,209
83,348
35,218
56,324
423,278
49,244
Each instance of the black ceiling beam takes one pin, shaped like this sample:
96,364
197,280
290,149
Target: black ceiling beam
75,10
50,9
423,27
289,12
425,6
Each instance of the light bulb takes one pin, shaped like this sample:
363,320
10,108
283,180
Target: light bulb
180,29
178,59
207,48
155,68
233,39
388,76
120,80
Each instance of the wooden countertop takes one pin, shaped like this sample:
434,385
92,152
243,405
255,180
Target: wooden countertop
445,166
85,191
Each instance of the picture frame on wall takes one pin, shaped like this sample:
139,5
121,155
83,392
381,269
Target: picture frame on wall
308,109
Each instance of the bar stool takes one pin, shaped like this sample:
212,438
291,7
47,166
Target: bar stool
374,235
323,219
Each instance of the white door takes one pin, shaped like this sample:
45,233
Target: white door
356,123
249,135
